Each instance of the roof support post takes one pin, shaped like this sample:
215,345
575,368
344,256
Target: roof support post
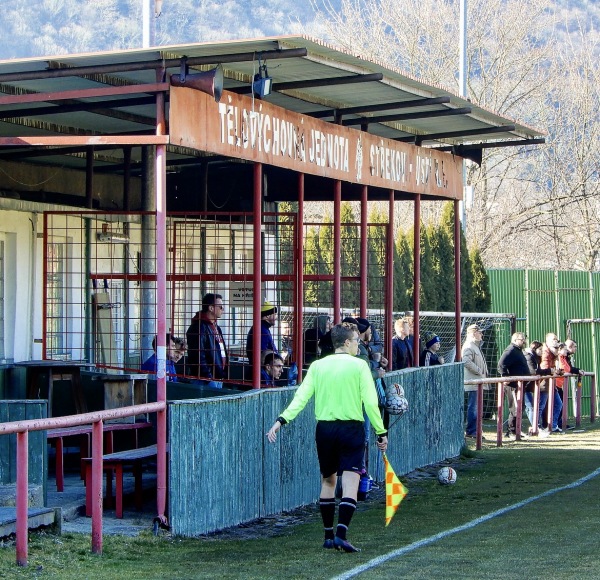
337,251
457,296
417,279
257,275
298,318
363,251
389,293
160,175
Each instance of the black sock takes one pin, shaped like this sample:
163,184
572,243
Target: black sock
327,506
347,509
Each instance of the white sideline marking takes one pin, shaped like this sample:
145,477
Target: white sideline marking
426,541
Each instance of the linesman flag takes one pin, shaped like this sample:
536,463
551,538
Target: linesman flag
395,492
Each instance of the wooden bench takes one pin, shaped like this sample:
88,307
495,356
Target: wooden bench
116,462
85,434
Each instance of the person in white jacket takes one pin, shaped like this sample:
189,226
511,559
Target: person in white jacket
475,368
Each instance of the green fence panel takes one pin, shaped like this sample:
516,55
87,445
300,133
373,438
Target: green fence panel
541,304
549,300
223,471
22,410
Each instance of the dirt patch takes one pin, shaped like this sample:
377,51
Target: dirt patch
279,524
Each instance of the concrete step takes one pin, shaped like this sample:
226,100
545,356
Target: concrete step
37,517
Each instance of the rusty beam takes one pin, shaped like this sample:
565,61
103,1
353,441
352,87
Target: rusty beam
153,64
149,88
32,141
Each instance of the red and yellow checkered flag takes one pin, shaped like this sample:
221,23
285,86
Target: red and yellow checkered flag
394,491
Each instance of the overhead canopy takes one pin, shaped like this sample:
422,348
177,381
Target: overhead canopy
100,94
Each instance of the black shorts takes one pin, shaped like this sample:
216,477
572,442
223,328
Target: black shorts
340,446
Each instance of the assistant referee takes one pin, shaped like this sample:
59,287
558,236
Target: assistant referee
341,384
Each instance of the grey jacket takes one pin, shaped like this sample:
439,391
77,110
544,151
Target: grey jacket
475,366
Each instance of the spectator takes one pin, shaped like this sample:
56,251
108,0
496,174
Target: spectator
375,342
550,363
268,315
402,353
513,363
533,355
377,363
313,335
271,369
475,368
207,356
173,356
341,385
567,366
429,356
326,345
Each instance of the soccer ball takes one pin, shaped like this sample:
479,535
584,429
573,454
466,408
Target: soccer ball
447,476
395,401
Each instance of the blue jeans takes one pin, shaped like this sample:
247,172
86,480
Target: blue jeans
213,384
529,406
558,405
472,413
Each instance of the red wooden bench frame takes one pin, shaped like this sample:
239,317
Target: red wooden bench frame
85,432
116,462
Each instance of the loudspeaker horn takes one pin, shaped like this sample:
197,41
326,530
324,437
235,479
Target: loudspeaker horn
209,82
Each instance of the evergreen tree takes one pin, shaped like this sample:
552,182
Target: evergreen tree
325,264
286,258
442,247
377,256
466,275
350,257
482,301
427,293
403,281
312,265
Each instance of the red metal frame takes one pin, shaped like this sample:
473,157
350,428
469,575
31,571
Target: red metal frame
363,250
457,295
22,428
337,251
257,275
417,280
299,319
389,296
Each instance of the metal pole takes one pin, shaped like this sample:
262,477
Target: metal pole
161,308
417,279
22,496
462,81
457,295
337,250
257,276
299,328
389,293
364,270
97,452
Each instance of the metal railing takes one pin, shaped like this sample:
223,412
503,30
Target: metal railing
96,419
521,380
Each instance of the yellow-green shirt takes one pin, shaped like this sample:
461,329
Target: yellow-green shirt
341,384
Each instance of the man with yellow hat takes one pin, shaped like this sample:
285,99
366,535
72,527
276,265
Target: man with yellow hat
268,315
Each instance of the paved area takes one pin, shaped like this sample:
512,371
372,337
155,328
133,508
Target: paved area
72,504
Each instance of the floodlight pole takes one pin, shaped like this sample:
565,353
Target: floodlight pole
462,81
151,10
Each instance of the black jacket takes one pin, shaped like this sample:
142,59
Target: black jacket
513,363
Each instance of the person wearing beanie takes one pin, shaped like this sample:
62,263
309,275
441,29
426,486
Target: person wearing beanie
268,315
341,385
429,356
